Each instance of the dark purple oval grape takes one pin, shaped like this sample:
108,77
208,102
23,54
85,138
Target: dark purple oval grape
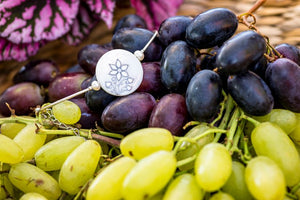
22,97
66,84
289,51
283,77
173,28
151,82
41,72
260,67
128,113
89,55
98,100
136,39
251,93
240,52
178,65
211,28
170,113
88,118
203,95
130,21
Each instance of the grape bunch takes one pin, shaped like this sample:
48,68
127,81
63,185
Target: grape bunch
217,116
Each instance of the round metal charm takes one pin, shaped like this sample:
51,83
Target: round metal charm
119,72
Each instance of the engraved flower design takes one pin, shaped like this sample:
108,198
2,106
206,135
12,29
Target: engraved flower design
118,69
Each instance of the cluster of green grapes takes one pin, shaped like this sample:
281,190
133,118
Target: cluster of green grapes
234,157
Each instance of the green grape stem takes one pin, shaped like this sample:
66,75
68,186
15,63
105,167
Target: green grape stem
250,119
187,160
94,136
232,127
221,109
17,119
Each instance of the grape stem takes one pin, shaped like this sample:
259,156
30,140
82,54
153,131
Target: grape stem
186,160
250,119
17,119
108,140
221,109
232,127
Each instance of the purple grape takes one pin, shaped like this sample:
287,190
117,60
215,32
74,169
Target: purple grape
136,39
260,67
65,85
289,51
130,21
211,28
89,55
151,82
128,113
22,97
240,52
173,28
283,77
170,113
178,65
203,95
251,93
88,118
41,72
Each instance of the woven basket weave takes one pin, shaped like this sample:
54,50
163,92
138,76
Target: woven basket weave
278,19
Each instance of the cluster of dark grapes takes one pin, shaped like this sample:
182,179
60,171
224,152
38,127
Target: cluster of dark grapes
186,68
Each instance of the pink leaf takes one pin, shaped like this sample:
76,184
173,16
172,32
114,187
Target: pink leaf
155,11
19,52
29,21
82,26
103,9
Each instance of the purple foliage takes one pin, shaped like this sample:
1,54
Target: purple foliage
83,24
35,20
155,11
19,52
103,9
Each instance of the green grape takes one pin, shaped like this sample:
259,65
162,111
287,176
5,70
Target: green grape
52,155
184,187
29,178
32,196
67,112
295,134
270,140
10,151
80,166
213,166
236,185
6,188
285,119
108,183
143,142
190,149
265,179
29,141
221,196
11,129
149,175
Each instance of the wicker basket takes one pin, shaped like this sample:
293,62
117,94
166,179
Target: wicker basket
278,19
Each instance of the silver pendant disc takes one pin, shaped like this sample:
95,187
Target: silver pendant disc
119,72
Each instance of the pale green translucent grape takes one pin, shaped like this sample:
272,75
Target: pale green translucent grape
184,187
108,183
149,176
236,185
80,166
143,142
270,140
32,196
29,141
221,196
11,129
6,188
67,112
29,178
190,149
213,166
285,119
295,134
10,151
52,155
265,179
